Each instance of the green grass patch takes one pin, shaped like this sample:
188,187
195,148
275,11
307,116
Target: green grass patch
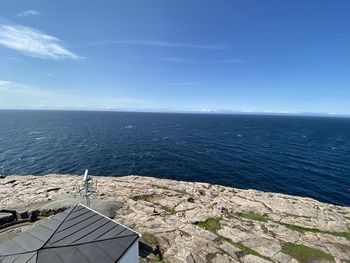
253,216
339,234
244,249
263,218
300,228
149,239
170,210
211,224
306,254
315,230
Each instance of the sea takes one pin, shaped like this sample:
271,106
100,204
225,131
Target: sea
297,155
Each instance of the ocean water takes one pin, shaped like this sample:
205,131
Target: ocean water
305,156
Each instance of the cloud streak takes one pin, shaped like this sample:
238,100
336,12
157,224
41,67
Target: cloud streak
159,43
32,42
11,87
27,13
18,95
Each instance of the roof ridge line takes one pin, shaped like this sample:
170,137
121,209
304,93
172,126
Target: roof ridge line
54,232
75,232
21,253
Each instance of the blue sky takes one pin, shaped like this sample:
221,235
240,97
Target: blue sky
249,56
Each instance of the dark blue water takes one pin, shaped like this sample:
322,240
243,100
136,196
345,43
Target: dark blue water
306,156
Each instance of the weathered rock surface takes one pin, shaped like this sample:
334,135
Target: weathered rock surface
199,222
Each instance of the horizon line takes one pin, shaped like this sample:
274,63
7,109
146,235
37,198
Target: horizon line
214,112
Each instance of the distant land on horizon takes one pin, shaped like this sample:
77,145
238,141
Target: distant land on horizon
199,111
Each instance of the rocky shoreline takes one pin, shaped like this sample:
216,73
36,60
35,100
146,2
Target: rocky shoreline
199,222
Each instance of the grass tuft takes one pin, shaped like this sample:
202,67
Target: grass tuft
211,224
262,218
305,254
253,216
244,249
315,230
149,239
170,210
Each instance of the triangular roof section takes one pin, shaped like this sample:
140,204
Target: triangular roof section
78,234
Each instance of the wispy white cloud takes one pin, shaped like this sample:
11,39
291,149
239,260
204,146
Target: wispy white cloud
23,96
159,43
28,13
32,42
182,83
17,88
229,61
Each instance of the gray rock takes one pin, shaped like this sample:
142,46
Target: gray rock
194,222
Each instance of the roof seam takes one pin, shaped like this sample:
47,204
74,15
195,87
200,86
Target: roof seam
77,210
31,257
82,254
73,232
14,241
75,223
45,226
16,259
21,253
59,256
124,242
57,228
92,231
132,243
91,242
78,215
112,220
108,231
106,252
28,232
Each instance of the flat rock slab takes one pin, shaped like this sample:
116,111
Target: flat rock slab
46,208
199,222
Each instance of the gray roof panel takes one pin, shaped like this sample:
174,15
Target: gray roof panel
125,242
26,257
111,248
94,235
10,247
75,234
28,242
41,233
10,259
78,234
93,253
86,233
115,231
51,224
68,235
49,255
126,232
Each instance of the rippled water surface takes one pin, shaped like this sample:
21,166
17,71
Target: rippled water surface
307,156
